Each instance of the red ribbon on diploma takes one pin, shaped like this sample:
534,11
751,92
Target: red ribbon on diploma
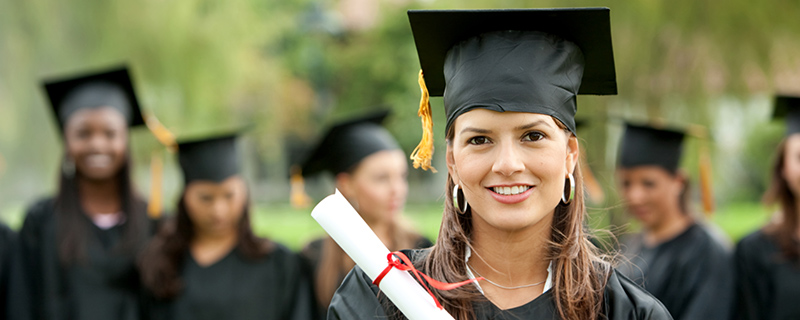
404,264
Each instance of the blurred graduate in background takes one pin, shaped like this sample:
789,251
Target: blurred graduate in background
75,257
7,238
675,257
206,263
768,260
370,170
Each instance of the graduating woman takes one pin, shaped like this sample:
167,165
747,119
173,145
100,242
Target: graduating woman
675,257
370,171
76,250
768,260
206,263
514,206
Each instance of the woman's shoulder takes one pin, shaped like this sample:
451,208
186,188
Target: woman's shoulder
625,300
756,243
38,212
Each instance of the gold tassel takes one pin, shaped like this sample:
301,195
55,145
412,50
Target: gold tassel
166,138
298,198
423,153
706,178
156,170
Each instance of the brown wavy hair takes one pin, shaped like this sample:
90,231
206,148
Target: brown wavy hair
163,259
579,270
781,194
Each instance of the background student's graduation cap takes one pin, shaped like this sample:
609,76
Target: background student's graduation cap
346,143
788,107
523,60
644,145
212,158
662,146
111,88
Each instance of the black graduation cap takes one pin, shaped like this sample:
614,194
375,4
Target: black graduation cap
645,145
788,107
210,159
346,143
522,60
112,88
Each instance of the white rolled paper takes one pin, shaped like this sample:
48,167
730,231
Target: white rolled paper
349,230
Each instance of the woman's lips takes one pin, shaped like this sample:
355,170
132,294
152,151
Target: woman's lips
511,194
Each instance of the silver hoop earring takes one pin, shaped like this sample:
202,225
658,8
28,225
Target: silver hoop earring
68,167
455,200
567,198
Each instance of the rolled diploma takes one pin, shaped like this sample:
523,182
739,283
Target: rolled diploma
346,227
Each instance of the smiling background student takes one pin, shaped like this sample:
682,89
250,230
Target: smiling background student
76,250
514,208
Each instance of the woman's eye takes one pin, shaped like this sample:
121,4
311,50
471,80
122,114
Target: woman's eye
533,136
478,140
649,184
206,198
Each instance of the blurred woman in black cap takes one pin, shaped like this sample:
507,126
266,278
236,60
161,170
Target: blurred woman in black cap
675,257
206,263
514,207
768,260
76,250
370,170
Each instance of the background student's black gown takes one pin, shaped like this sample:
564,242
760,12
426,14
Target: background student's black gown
768,284
6,245
357,299
104,286
312,256
692,274
235,288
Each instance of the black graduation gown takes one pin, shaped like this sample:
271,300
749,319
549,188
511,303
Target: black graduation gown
692,274
105,286
7,238
236,288
357,299
768,284
312,255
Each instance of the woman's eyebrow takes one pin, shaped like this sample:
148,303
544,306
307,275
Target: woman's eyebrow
476,130
532,125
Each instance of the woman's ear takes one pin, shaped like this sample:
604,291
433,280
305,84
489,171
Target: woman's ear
344,182
573,153
451,164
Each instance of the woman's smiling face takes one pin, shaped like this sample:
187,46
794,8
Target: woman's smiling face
512,166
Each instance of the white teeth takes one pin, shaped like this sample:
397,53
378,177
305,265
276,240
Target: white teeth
510,190
98,160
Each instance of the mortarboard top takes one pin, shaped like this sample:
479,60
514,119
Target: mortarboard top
644,145
520,60
212,158
788,107
346,143
106,88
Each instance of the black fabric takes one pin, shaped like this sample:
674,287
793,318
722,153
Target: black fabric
644,146
516,71
7,242
788,107
348,142
768,285
692,274
210,159
357,298
312,256
112,88
236,288
104,286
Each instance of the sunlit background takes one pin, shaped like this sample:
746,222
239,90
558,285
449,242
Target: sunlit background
291,66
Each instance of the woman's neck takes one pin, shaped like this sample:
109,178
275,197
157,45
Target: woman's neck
207,249
99,197
676,224
511,259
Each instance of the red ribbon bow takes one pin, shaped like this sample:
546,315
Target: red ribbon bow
404,264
